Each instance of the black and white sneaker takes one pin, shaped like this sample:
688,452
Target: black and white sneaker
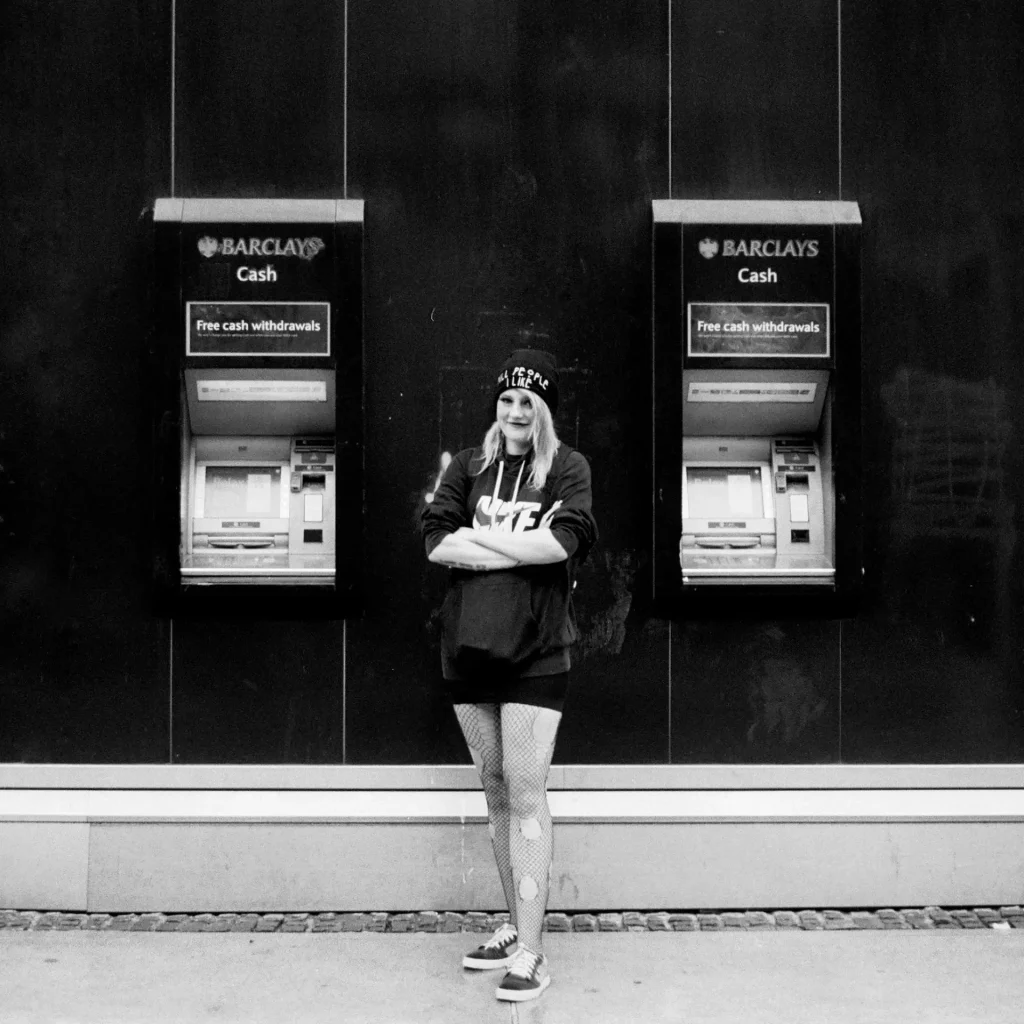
497,951
527,977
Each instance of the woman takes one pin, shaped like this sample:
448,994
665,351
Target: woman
512,519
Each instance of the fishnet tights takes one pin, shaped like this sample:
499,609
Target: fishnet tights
512,746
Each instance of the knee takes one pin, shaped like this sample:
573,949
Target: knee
493,779
526,794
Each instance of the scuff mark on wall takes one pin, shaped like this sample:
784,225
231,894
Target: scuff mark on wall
566,883
784,700
604,628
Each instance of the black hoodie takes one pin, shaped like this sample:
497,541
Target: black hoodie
517,621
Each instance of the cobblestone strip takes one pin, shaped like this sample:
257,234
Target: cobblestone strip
886,919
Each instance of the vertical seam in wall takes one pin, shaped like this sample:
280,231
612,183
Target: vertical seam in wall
88,865
669,691
344,115
670,99
840,674
170,697
170,642
654,440
344,691
839,90
174,57
839,154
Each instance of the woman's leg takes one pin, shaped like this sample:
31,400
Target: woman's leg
481,725
528,743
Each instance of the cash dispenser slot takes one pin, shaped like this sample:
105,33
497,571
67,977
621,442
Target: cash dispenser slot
726,542
241,542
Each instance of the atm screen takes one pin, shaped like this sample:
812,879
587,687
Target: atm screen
717,492
247,490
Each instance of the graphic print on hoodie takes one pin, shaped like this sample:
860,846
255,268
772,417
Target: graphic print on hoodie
513,515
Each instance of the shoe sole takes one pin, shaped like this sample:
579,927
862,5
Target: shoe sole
487,965
522,995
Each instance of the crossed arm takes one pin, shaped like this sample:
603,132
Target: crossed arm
485,550
460,551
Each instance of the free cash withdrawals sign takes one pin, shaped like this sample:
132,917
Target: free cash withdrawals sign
770,329
258,328
758,290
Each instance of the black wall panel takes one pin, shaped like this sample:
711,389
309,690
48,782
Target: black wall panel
84,101
755,116
281,701
513,149
260,99
765,692
933,136
755,100
507,154
260,102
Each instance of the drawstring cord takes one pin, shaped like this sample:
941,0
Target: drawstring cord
497,488
515,490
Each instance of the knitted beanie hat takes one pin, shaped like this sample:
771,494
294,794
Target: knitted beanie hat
532,369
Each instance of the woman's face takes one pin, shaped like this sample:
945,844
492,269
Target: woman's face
516,413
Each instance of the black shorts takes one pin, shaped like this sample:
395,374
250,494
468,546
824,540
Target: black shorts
540,691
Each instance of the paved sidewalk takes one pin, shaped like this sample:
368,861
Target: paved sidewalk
795,977
917,918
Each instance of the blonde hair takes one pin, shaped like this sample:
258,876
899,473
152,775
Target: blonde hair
543,440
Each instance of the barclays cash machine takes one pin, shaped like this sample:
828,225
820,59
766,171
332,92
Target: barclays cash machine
756,389
257,384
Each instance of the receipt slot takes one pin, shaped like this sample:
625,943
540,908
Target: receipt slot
257,385
756,388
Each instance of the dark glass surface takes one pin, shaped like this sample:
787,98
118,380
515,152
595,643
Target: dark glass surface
260,98
932,669
508,153
755,100
755,117
84,103
258,693
756,692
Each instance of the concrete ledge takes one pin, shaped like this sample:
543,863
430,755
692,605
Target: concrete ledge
461,806
238,867
286,850
44,864
734,841
440,777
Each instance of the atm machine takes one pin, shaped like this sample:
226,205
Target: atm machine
756,399
257,385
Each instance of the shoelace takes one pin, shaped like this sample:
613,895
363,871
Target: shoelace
500,937
525,963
